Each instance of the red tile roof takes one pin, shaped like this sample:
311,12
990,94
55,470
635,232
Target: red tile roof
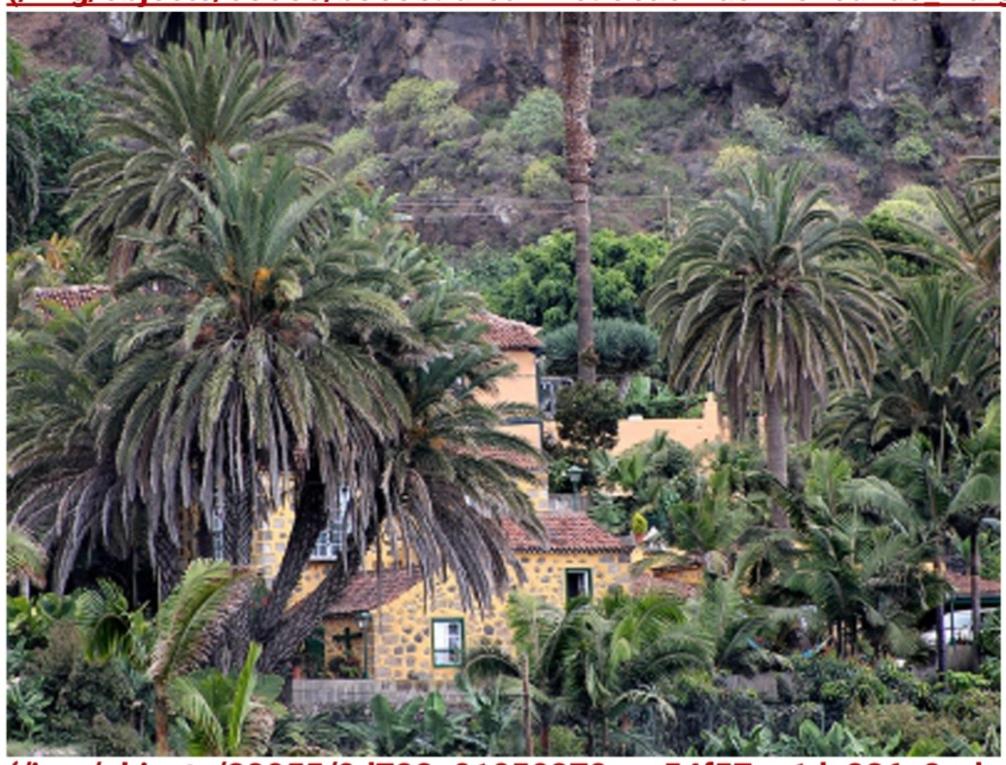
371,589
962,584
69,296
565,532
509,335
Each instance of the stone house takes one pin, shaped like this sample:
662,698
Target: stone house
387,626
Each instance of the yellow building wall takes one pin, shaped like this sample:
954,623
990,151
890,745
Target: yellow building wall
401,647
521,387
689,432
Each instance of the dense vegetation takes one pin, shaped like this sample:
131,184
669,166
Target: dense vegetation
274,317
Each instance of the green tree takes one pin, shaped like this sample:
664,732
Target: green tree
61,108
61,487
534,674
936,375
251,356
227,714
541,292
978,498
190,624
623,347
204,97
26,560
535,123
617,652
865,544
587,416
265,32
768,293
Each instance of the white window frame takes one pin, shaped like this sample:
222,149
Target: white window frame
448,642
328,545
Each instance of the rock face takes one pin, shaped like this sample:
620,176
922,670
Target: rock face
895,72
813,66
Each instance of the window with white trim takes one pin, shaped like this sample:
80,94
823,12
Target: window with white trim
448,642
578,583
328,546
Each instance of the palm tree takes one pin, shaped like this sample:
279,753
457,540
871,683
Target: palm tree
206,96
190,624
265,32
937,375
251,356
227,715
453,475
577,54
60,489
768,292
26,560
616,653
919,470
111,629
23,163
978,496
534,675
733,623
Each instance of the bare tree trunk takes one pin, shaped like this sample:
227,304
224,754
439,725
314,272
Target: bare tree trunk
976,598
775,446
526,712
577,84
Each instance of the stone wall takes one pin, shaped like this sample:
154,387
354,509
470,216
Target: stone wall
311,696
401,640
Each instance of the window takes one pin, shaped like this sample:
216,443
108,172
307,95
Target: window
578,583
448,642
328,546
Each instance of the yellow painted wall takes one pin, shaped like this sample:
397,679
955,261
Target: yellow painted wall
689,432
401,645
521,387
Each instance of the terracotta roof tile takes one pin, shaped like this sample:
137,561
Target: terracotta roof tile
69,296
371,589
566,532
962,584
509,335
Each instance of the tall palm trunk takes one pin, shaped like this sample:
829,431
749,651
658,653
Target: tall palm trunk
976,599
161,720
577,84
775,445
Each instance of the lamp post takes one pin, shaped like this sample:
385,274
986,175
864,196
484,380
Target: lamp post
363,621
575,475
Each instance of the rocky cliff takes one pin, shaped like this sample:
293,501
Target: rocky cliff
930,75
